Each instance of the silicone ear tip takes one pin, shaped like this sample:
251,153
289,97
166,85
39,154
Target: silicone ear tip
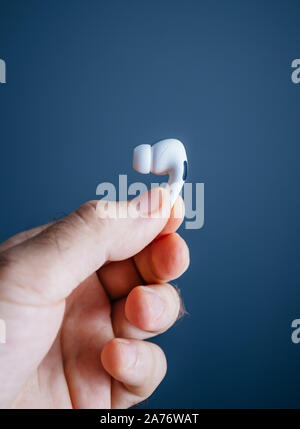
142,158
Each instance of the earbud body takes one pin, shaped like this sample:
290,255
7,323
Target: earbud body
164,157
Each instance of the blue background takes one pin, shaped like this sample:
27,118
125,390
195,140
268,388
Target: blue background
89,80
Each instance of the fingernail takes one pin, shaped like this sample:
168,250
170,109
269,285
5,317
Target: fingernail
128,351
155,305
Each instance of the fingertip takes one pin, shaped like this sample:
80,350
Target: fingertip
170,256
152,308
118,357
144,308
176,217
139,365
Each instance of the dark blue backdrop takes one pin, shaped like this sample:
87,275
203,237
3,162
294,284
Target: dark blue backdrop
89,80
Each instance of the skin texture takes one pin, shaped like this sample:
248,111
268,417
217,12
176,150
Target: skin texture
80,296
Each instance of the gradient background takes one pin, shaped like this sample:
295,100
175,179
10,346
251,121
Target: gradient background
89,80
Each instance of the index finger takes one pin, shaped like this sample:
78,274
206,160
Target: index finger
176,217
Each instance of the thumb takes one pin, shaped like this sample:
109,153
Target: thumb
52,264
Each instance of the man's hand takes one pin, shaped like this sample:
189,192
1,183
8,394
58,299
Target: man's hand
79,297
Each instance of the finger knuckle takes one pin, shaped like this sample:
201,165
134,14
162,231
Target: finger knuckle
6,263
85,214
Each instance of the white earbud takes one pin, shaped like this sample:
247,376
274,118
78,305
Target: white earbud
165,157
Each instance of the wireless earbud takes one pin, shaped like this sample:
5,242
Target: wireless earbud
164,157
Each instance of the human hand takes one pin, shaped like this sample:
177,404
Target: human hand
79,297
